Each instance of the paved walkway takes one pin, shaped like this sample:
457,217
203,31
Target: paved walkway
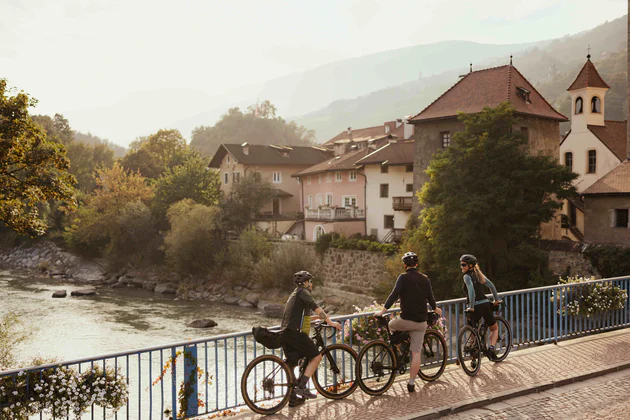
526,371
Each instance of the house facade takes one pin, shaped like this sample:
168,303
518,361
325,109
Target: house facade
389,192
436,125
332,196
374,137
276,164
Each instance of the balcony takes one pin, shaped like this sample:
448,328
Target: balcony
340,213
402,203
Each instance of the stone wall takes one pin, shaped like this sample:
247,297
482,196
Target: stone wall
352,271
569,256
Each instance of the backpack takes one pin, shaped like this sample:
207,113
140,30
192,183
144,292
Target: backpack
269,339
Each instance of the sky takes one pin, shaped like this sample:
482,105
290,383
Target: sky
80,56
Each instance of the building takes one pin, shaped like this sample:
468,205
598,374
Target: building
389,191
438,122
606,207
333,196
374,137
276,164
593,147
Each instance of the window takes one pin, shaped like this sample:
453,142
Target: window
568,160
317,232
409,168
621,218
388,222
338,177
384,169
384,190
227,178
592,161
308,180
227,159
319,178
446,138
310,201
329,177
596,105
525,132
329,199
319,200
352,176
349,200
578,105
236,176
409,187
277,177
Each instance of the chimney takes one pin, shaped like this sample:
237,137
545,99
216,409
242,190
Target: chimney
398,122
245,148
349,132
628,94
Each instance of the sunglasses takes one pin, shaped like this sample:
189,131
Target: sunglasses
464,264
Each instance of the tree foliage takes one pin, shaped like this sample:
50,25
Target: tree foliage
238,126
33,169
487,195
152,155
245,200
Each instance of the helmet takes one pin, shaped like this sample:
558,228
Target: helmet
468,259
410,259
302,277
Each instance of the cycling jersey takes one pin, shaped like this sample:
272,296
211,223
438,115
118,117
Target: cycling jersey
297,311
414,290
475,291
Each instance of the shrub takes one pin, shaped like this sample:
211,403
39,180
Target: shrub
277,270
11,335
244,254
194,238
610,261
333,240
323,242
133,237
589,299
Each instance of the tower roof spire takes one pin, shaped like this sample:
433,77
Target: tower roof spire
588,77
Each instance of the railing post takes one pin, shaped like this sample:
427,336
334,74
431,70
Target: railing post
190,380
555,315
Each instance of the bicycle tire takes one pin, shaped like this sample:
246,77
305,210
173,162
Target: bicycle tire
385,367
326,381
504,330
469,351
432,375
263,405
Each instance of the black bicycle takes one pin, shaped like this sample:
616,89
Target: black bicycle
268,381
380,361
473,342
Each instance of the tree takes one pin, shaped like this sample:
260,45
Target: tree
264,128
488,196
192,179
33,169
245,200
152,155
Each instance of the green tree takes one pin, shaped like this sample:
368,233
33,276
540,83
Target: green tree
33,169
192,179
11,335
245,200
152,155
264,128
487,195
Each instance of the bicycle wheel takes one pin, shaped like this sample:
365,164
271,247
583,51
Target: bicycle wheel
266,384
433,355
469,350
335,375
376,368
504,342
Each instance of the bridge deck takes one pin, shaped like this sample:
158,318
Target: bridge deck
524,371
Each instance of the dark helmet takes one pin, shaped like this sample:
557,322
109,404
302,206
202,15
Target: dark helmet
301,277
410,259
468,259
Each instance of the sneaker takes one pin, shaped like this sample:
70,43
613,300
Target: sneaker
492,355
473,364
304,393
411,388
294,401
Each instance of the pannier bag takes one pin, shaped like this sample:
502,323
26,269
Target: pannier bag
267,338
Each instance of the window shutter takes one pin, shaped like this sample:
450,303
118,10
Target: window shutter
612,217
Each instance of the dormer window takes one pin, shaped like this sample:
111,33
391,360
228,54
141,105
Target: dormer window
523,94
596,105
579,105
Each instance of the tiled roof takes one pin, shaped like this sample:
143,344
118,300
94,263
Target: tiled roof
369,133
400,153
616,181
588,77
271,155
614,135
277,192
489,88
338,163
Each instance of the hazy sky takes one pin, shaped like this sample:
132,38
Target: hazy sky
82,54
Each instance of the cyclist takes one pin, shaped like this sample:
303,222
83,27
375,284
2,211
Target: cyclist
414,290
295,328
478,303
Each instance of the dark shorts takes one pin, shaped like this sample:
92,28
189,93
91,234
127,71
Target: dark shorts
485,311
296,345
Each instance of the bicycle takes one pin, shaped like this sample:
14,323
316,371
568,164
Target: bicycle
379,361
268,381
472,342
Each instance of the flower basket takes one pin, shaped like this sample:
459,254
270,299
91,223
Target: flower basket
588,299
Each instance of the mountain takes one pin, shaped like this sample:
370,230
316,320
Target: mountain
91,140
550,65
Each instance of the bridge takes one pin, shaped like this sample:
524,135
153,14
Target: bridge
551,349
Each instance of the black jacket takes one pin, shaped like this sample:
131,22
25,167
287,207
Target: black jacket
414,290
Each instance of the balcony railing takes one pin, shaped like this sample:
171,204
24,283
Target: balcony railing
402,203
292,215
329,213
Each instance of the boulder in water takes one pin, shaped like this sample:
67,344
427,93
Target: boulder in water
203,323
60,294
83,292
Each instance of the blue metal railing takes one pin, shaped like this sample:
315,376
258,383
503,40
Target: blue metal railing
535,315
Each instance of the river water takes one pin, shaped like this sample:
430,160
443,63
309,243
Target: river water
114,320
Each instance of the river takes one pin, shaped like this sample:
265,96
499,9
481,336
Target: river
113,320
